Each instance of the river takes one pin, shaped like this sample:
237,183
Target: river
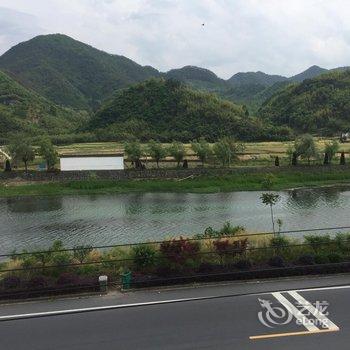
35,222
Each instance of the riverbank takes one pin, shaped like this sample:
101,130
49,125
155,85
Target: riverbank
223,255
282,179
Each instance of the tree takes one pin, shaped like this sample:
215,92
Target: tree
331,149
7,165
270,199
277,161
305,147
21,150
177,151
82,252
290,151
280,224
202,149
156,151
134,152
342,158
226,150
48,152
294,159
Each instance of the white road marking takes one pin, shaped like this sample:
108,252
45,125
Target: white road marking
120,306
319,289
314,311
295,312
90,309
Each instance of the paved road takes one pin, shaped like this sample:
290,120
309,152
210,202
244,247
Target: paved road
223,322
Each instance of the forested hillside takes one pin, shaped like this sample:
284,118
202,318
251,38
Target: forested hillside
53,84
199,78
69,72
168,110
22,110
318,105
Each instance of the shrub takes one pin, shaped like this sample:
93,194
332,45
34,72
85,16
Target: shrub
225,249
243,264
342,242
318,243
222,247
144,256
117,259
180,251
321,259
229,230
226,230
61,259
38,282
278,242
11,282
28,261
335,258
306,259
276,261
43,257
82,252
268,181
68,279
206,267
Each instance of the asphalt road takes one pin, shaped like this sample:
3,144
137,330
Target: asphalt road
222,322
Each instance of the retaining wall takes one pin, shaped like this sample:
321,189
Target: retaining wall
160,173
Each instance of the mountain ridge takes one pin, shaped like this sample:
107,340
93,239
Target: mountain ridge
77,75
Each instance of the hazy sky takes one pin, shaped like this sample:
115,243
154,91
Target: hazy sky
274,36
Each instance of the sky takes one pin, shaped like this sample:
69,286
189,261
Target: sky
274,36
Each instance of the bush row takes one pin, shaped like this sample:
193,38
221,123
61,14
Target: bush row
225,251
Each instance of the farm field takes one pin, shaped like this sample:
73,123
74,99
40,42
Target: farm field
251,147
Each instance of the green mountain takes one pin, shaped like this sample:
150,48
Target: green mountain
73,74
310,73
254,88
69,72
169,110
22,110
320,105
255,78
199,78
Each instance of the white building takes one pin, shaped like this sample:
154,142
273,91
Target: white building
92,162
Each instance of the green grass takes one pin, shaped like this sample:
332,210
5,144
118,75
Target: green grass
205,184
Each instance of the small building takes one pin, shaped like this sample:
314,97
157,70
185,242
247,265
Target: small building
76,162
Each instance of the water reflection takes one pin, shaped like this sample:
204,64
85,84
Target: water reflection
32,205
313,198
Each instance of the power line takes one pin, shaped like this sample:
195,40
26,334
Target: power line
237,251
82,248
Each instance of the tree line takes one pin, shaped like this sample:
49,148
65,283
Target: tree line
305,148
226,150
22,150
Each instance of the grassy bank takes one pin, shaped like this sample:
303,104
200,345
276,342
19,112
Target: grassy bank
284,179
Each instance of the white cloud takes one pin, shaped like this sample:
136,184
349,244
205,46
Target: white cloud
275,36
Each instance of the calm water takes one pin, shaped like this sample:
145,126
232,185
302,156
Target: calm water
35,222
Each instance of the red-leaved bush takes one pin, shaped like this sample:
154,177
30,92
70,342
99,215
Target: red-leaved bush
179,251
